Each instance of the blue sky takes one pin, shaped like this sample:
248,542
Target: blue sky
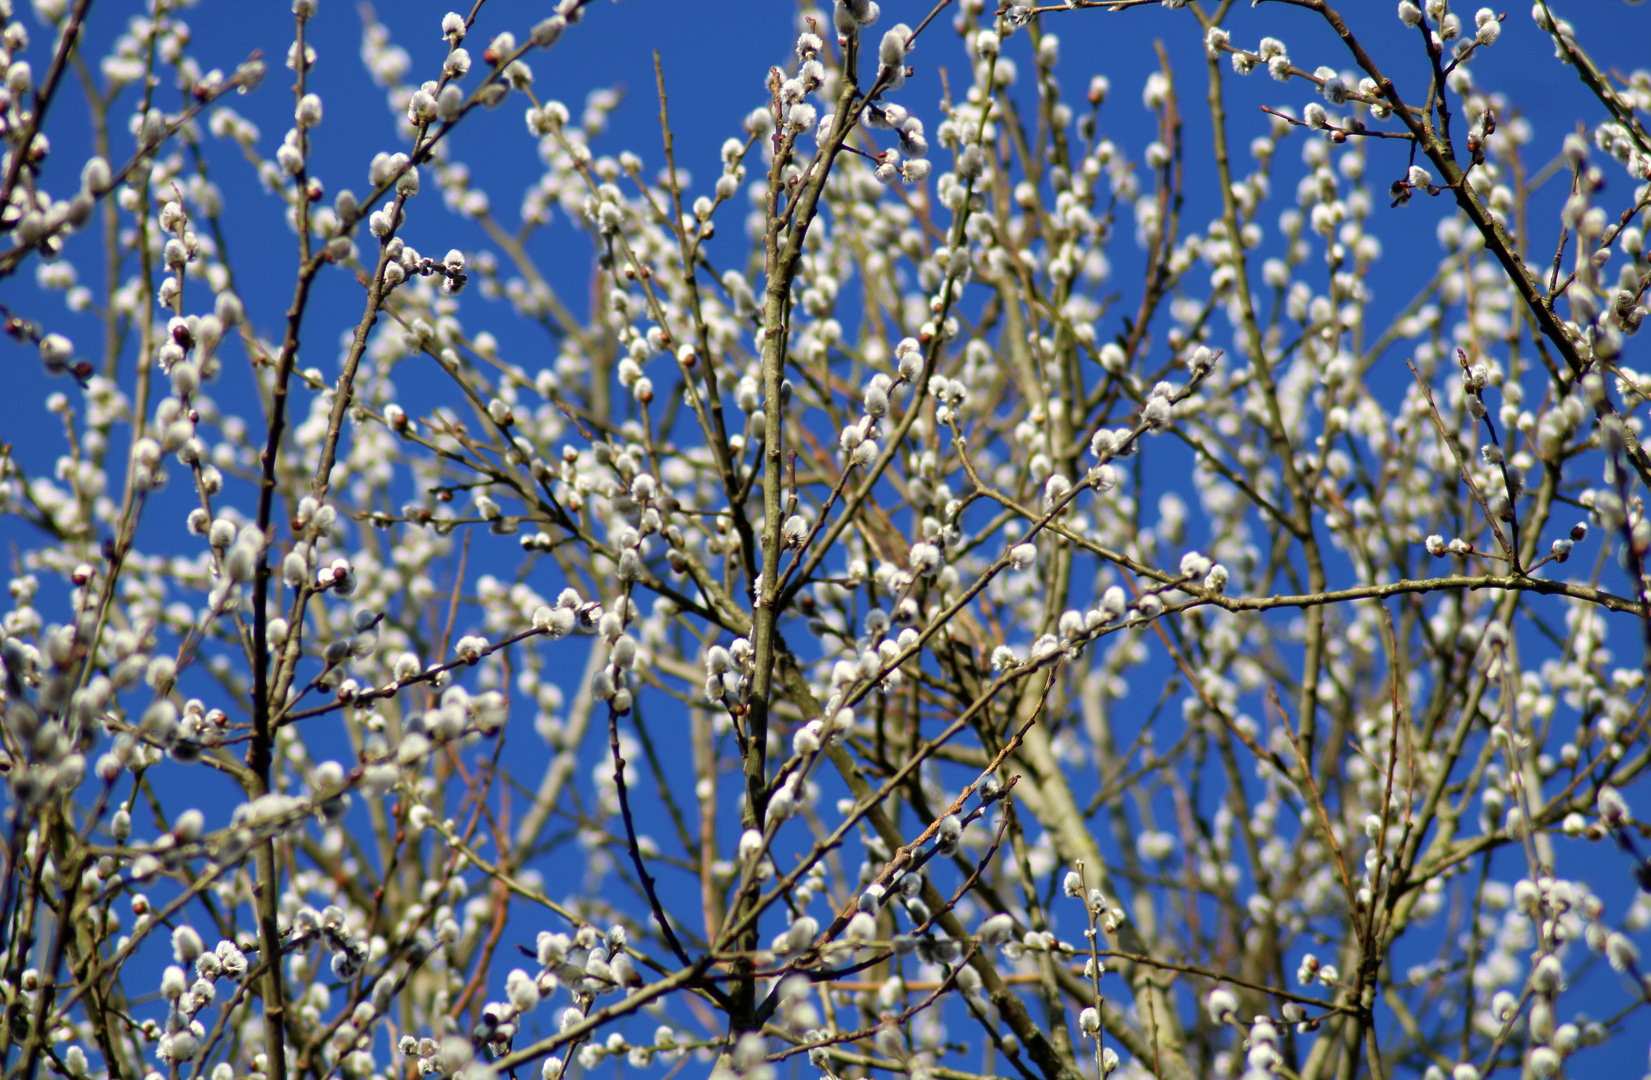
715,57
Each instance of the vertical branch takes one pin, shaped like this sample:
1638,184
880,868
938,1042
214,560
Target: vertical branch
1301,499
22,147
259,756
